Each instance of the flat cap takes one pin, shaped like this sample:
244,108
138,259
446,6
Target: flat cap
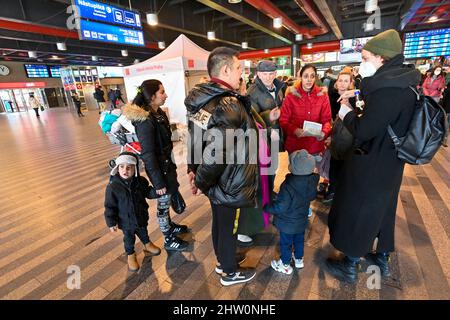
266,66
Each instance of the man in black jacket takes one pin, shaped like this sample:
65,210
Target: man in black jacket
214,111
99,96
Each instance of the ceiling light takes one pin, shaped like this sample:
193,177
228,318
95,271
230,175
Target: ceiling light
278,22
266,51
371,6
120,65
152,19
211,35
161,44
298,37
136,61
309,45
124,53
61,46
32,54
55,57
433,19
234,1
94,58
244,45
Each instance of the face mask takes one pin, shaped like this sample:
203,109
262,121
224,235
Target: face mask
367,69
437,72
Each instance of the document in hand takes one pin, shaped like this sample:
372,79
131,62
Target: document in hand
312,127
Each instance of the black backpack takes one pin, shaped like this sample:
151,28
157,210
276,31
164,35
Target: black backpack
426,132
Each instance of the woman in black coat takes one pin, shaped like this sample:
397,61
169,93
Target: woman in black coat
154,134
365,203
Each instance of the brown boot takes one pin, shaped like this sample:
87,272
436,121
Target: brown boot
133,265
151,249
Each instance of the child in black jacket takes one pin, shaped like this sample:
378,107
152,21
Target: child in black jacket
291,207
126,207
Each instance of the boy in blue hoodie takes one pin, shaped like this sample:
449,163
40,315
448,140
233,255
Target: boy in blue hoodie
291,207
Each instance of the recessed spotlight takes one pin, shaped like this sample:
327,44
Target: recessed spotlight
266,51
309,45
161,44
244,45
32,54
433,19
124,53
298,37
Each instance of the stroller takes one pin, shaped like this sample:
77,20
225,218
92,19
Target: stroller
127,140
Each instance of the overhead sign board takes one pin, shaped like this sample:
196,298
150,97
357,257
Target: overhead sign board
104,12
112,34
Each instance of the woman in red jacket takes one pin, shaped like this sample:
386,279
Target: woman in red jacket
305,102
434,84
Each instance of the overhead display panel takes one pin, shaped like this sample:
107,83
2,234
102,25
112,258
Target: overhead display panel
104,12
425,44
112,34
350,49
36,71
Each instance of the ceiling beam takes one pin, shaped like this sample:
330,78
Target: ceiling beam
329,16
222,7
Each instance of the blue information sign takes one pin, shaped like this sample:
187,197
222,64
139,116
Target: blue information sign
106,13
426,44
109,33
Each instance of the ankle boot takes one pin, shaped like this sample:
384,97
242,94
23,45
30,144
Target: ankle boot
381,260
133,265
151,249
343,270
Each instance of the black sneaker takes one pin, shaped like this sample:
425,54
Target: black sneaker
178,228
237,277
240,258
174,243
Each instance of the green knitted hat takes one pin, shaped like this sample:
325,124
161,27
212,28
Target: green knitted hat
386,44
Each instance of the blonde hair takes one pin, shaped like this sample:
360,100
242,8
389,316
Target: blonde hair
347,72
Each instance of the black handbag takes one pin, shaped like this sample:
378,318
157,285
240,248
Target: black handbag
177,203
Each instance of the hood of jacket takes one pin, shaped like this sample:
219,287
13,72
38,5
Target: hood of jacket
393,74
203,93
134,113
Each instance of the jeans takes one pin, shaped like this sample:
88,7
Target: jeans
287,241
129,237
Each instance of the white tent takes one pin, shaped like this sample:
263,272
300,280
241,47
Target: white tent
179,67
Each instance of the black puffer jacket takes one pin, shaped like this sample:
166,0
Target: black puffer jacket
154,134
212,108
263,101
125,203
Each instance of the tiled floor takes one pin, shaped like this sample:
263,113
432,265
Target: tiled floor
53,177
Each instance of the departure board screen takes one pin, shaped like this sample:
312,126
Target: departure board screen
425,44
54,71
36,71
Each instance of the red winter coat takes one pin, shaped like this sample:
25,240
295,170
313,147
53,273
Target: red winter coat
299,106
433,89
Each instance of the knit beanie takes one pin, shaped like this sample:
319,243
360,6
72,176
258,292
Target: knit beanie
301,163
125,158
387,44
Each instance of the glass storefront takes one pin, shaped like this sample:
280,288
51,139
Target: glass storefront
16,100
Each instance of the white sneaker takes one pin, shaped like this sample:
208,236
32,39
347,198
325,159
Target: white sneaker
279,266
299,263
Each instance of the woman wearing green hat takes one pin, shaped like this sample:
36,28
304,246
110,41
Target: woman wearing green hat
364,206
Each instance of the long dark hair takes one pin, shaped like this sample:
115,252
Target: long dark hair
306,67
146,91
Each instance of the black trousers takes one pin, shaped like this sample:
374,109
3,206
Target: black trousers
224,236
129,237
37,111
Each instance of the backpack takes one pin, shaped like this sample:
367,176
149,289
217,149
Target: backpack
425,134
